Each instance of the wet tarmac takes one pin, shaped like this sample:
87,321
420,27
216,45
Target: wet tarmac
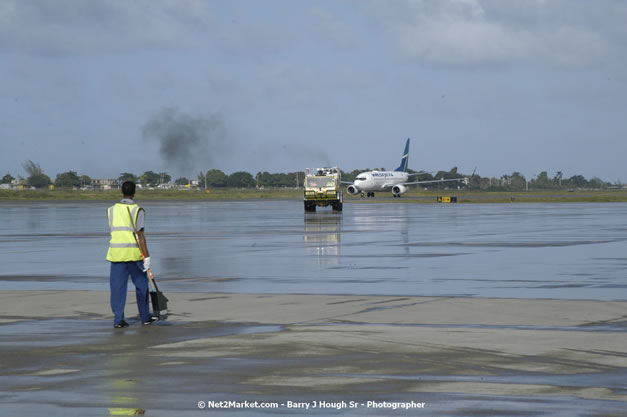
508,334
456,355
563,251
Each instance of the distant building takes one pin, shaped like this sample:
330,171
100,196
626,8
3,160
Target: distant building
16,184
105,184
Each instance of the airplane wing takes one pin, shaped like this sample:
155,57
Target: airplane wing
465,180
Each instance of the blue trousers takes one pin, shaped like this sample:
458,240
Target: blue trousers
118,282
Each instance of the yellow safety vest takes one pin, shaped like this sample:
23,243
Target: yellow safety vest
123,245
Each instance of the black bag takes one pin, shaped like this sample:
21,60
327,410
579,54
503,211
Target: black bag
159,302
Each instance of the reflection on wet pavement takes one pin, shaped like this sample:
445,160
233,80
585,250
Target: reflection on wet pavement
323,236
568,251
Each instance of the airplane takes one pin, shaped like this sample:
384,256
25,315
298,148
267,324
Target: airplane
395,181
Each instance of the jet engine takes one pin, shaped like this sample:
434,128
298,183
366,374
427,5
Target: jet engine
399,189
352,190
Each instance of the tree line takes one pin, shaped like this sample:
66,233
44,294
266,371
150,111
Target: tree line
215,178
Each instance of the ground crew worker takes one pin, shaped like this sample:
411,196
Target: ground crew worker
126,256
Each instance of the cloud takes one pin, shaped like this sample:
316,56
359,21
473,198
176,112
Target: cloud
493,31
563,32
69,27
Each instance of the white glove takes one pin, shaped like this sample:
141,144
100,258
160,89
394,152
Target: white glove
146,263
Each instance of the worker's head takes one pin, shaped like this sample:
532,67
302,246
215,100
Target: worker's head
128,189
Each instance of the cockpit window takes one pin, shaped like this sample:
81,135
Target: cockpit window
361,178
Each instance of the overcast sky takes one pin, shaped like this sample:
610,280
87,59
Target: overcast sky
108,86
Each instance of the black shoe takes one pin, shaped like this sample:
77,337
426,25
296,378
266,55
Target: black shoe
120,324
152,320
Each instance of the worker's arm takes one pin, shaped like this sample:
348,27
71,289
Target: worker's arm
141,240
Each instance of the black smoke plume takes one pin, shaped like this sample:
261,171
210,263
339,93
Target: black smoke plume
187,142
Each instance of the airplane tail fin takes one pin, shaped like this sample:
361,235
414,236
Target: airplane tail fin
403,166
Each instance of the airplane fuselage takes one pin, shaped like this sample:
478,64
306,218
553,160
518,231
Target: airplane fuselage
379,180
